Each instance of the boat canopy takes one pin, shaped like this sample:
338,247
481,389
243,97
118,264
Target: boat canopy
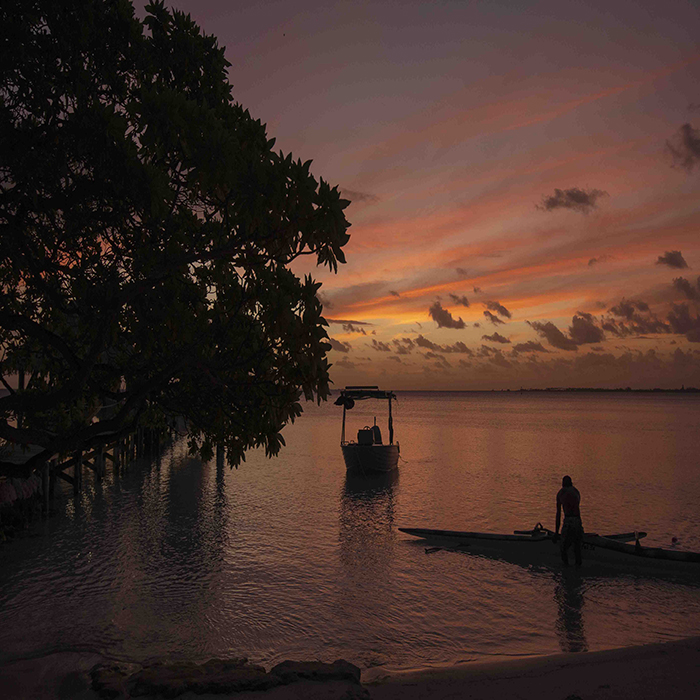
350,394
359,393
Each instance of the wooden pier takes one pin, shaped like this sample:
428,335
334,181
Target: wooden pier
115,455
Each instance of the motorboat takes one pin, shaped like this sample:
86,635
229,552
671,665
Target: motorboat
369,453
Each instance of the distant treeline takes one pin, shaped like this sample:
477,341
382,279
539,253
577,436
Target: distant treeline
683,390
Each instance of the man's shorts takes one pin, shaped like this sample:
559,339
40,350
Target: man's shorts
572,530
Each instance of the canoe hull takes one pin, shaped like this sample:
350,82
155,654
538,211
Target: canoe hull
370,459
600,554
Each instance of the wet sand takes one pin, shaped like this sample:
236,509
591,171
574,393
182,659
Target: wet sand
653,671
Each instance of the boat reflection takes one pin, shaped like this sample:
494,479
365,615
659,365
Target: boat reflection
367,539
367,531
375,487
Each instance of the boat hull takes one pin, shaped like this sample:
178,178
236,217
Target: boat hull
600,554
370,459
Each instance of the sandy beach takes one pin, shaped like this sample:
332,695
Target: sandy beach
652,671
670,669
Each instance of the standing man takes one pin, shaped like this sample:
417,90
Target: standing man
569,500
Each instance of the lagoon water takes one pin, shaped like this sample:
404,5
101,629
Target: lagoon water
291,558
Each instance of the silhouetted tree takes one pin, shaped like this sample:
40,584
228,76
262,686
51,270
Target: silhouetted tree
146,230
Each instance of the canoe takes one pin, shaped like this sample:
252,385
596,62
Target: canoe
537,547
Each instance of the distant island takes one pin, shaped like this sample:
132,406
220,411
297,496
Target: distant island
559,390
682,390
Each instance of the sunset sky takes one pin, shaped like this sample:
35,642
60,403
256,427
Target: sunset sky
518,218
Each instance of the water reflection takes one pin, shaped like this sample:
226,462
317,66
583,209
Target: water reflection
375,488
367,508
172,549
568,594
367,536
221,509
178,558
367,521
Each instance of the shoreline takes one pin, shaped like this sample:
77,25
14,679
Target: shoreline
643,672
637,672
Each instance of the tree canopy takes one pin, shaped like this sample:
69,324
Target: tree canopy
147,227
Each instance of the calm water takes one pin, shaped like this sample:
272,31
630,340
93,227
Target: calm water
289,558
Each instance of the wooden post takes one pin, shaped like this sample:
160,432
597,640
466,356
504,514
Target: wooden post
100,462
45,469
52,477
115,459
78,472
20,387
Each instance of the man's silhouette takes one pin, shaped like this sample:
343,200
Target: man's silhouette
568,500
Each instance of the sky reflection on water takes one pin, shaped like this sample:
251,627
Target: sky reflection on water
292,558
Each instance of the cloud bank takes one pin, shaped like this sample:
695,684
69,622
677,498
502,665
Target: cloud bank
461,300
684,286
672,258
553,335
340,347
493,318
443,317
496,338
684,147
498,308
575,198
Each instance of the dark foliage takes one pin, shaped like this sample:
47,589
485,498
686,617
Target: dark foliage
146,228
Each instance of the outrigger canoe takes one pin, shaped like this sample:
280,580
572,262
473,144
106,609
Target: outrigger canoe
538,546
